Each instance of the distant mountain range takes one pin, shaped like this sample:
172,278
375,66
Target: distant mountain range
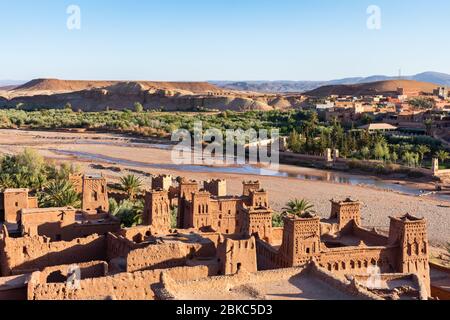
9,84
437,78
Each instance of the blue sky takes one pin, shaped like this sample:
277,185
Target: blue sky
222,39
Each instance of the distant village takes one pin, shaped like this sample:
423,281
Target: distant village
403,112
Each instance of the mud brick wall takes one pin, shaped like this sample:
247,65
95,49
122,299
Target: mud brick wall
163,256
124,286
24,255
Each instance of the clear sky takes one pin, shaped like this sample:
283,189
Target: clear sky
222,39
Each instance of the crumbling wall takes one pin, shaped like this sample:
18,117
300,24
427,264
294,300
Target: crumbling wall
86,229
88,270
117,246
167,255
237,255
341,284
124,286
171,289
23,255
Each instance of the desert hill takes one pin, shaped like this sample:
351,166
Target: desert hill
56,85
438,78
118,95
388,87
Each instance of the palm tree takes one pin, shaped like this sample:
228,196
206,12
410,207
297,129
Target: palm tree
129,212
60,193
422,150
298,207
442,155
131,185
6,181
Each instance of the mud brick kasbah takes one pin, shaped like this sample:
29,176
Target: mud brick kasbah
220,242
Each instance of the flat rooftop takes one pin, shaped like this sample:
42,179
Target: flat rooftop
16,190
14,282
45,210
285,284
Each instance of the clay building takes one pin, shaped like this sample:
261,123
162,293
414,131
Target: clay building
163,182
93,189
344,247
211,209
157,211
12,201
65,224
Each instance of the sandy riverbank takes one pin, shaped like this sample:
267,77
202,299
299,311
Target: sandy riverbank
378,204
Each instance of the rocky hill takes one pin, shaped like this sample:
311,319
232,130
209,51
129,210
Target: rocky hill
437,78
380,87
118,95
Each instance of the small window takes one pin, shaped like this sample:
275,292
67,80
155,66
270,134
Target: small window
17,204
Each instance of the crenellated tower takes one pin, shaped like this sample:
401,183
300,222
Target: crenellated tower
157,211
410,234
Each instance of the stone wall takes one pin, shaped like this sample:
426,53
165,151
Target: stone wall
124,286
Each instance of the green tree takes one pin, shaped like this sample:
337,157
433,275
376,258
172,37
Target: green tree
298,207
422,150
68,107
128,212
379,151
138,107
442,155
277,220
394,157
365,153
295,142
131,185
60,193
174,218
